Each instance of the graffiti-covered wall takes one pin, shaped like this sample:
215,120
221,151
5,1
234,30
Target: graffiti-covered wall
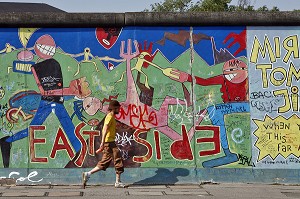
195,101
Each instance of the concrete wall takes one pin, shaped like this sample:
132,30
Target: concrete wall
201,101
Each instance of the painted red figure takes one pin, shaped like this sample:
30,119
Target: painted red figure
233,80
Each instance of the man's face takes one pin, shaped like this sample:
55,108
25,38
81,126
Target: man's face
235,71
116,110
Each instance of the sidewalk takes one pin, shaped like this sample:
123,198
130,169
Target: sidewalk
209,191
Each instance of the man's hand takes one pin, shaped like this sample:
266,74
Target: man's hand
80,88
100,149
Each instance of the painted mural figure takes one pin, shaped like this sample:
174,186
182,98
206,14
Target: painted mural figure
234,82
86,54
48,76
108,147
86,59
8,48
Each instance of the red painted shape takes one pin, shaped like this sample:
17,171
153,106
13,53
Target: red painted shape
157,145
92,135
149,57
110,66
34,141
181,149
237,38
107,37
139,116
215,139
139,140
64,146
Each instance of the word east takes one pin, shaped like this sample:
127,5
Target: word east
61,143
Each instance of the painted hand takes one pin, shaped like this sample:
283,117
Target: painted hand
178,75
80,88
237,38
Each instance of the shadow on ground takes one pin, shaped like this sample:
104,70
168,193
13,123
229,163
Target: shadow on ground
164,176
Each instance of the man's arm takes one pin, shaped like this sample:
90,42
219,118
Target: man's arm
104,133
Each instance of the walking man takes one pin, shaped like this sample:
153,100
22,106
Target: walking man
108,147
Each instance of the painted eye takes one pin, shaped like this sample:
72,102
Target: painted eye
231,69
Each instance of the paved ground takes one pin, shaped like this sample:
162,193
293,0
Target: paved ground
209,191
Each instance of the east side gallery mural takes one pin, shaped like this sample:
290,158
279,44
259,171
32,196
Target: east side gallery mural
204,97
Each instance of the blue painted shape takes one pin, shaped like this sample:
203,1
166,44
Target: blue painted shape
22,67
227,159
29,100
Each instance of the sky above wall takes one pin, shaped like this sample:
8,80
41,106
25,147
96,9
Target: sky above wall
140,5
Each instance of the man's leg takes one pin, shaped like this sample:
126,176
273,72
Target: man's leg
86,175
103,164
119,166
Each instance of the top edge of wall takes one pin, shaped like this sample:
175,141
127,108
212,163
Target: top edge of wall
54,19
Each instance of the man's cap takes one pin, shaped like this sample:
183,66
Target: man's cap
113,104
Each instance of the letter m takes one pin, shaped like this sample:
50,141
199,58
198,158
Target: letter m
257,48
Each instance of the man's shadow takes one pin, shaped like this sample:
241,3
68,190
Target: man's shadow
164,176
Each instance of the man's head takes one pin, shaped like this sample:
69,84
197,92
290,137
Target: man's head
114,106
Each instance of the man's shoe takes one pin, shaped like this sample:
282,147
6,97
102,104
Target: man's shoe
85,178
120,185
